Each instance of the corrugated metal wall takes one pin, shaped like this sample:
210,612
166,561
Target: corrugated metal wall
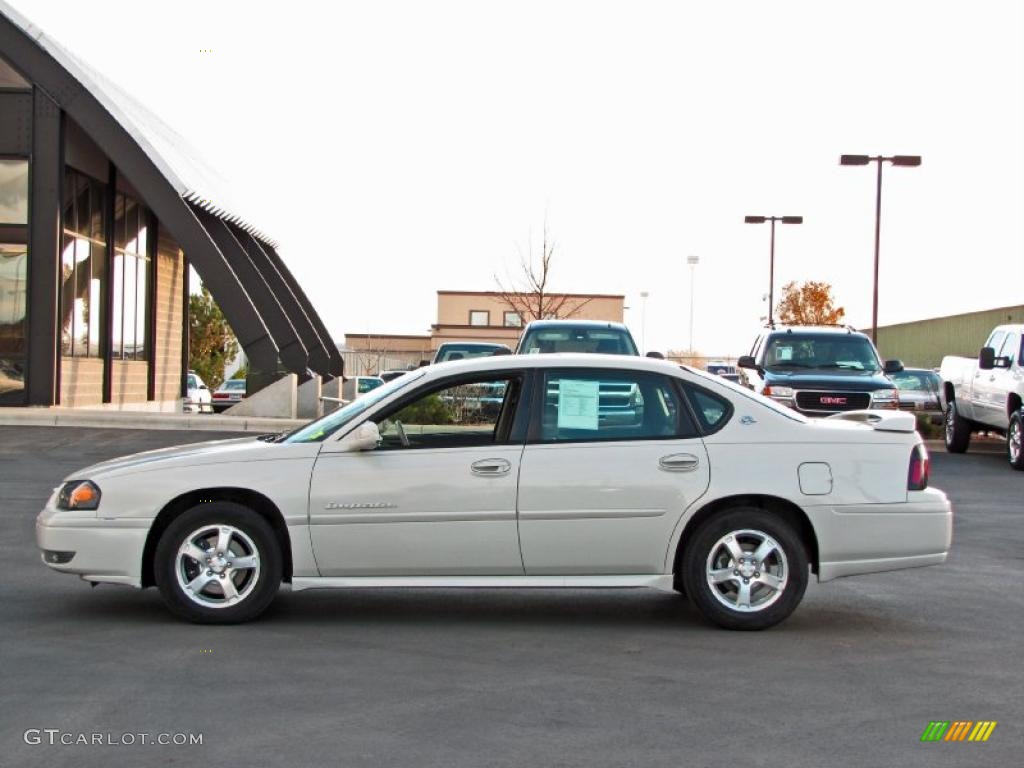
924,343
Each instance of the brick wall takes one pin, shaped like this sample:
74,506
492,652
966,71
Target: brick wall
81,381
170,285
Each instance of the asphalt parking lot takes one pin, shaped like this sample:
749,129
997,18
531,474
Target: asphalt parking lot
515,678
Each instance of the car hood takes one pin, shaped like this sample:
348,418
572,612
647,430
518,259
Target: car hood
211,452
839,380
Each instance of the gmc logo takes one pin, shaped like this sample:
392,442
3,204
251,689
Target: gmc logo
829,400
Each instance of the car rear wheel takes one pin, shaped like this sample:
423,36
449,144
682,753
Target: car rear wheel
745,569
218,563
958,430
1015,440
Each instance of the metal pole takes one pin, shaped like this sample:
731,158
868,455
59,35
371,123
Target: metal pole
692,266
771,276
878,229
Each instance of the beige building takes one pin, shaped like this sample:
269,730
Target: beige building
468,316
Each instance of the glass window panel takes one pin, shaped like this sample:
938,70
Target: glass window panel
13,297
9,78
141,316
129,306
13,192
131,225
117,318
67,294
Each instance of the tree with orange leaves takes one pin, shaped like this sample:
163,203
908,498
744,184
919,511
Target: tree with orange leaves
808,304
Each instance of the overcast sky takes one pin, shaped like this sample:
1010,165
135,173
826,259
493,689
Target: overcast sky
395,148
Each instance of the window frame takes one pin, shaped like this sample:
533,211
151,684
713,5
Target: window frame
485,312
507,324
702,430
515,430
536,427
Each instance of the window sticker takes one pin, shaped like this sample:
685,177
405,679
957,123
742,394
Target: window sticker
534,351
783,353
578,404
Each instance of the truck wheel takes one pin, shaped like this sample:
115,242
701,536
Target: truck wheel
958,430
1015,440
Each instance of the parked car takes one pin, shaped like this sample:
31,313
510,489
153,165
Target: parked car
820,370
706,488
465,350
354,387
387,376
231,392
197,395
919,391
720,368
987,393
545,336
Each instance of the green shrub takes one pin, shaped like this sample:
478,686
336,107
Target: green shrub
927,429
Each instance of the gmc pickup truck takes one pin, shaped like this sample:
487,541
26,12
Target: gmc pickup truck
987,393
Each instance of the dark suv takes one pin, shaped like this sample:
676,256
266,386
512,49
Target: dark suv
820,370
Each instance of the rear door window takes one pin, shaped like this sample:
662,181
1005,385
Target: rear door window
607,405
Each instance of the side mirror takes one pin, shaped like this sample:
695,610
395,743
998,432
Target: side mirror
655,355
365,437
746,361
893,366
987,359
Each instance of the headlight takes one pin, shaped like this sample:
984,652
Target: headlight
79,494
885,398
783,392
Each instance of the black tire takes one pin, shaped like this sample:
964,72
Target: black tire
1015,440
706,543
256,587
957,430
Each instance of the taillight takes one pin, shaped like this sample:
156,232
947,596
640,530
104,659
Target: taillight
917,475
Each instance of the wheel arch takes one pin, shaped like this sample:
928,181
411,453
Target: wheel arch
948,392
786,509
247,497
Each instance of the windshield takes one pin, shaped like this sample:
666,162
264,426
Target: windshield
234,384
603,341
317,430
448,352
916,380
833,350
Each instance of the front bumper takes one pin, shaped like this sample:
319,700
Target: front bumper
101,550
870,538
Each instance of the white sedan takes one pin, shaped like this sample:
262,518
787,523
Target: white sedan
517,471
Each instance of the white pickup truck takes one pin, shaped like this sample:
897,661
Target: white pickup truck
987,393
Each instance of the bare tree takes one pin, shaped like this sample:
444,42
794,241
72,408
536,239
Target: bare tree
528,293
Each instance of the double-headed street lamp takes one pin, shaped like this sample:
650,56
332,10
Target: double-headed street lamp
771,262
908,161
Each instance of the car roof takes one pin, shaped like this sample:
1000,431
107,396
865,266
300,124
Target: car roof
553,360
576,324
472,344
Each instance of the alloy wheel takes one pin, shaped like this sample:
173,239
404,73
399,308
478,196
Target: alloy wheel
747,570
217,566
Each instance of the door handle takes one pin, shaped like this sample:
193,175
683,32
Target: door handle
679,462
490,467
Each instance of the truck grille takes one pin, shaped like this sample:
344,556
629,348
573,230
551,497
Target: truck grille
832,402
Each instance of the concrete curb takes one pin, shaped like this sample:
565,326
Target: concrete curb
79,417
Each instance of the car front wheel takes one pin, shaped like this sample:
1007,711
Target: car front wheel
218,563
745,569
1015,440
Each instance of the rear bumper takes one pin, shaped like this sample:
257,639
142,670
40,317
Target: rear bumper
100,550
870,538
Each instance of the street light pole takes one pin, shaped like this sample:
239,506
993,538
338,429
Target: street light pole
909,161
693,261
643,321
771,261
